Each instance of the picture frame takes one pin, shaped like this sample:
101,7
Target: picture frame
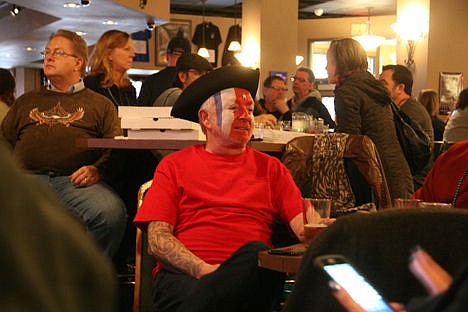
450,86
164,33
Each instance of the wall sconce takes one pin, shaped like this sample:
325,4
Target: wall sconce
412,26
299,59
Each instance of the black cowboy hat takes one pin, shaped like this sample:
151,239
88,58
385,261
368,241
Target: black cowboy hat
192,98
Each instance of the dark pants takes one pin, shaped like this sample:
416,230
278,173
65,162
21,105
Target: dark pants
237,285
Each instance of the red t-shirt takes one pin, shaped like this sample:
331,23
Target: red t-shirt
217,203
442,181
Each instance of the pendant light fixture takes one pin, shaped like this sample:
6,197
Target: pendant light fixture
203,52
368,40
235,45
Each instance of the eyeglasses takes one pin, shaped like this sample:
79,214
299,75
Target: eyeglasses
298,79
56,53
197,72
278,88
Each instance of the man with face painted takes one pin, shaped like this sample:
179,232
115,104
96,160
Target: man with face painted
211,207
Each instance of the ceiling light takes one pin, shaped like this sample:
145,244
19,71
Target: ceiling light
81,33
318,12
235,44
203,52
110,23
30,49
368,40
71,5
15,10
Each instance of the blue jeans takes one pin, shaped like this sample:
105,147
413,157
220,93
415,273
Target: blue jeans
97,206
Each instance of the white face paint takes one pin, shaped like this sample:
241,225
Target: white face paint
234,111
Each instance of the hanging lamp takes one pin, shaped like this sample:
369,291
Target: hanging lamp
368,40
235,44
203,52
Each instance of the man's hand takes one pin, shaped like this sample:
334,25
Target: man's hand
281,105
268,119
207,269
172,254
85,176
433,277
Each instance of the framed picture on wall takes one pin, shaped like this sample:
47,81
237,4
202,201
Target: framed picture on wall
450,86
164,33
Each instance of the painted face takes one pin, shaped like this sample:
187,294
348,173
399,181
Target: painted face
234,111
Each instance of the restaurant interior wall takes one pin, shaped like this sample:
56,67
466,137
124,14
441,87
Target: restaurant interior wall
447,42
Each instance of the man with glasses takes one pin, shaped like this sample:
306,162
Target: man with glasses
157,83
42,127
306,99
189,68
273,107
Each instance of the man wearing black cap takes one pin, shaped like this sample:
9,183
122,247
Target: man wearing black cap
211,207
189,68
156,84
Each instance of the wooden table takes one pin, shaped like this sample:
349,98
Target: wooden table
125,143
287,264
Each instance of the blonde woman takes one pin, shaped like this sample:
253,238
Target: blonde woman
111,58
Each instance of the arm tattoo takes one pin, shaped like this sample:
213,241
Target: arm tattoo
169,251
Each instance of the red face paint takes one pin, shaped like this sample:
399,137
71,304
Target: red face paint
242,109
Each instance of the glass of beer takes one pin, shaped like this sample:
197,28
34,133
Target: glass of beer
316,211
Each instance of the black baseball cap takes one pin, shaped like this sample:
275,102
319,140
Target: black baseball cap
192,61
179,45
191,99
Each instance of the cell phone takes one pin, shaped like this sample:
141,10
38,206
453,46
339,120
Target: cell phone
340,270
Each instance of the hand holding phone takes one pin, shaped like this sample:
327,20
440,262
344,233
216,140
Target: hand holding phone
343,273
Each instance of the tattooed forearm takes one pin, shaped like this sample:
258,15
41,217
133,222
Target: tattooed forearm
170,252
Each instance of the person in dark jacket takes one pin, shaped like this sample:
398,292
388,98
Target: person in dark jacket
362,106
399,82
112,57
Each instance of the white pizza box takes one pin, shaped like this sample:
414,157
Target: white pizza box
166,134
144,111
157,123
150,117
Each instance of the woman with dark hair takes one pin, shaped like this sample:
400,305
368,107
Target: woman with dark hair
111,58
362,106
430,100
7,92
457,126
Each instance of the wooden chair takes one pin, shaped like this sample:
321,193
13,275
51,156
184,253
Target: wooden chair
379,245
314,160
142,299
